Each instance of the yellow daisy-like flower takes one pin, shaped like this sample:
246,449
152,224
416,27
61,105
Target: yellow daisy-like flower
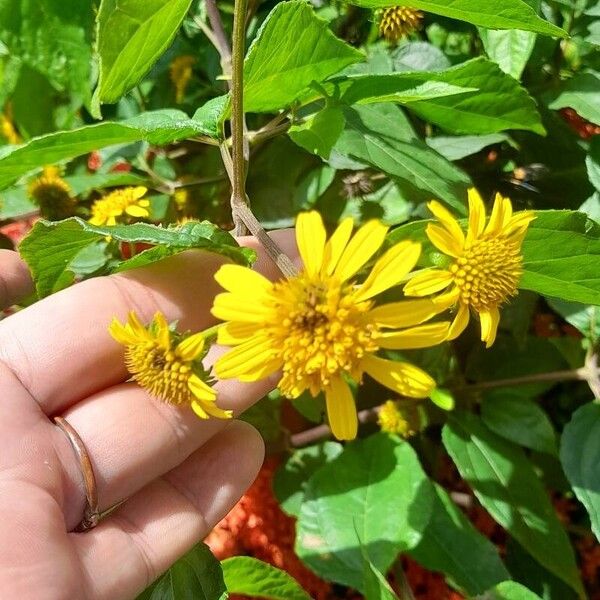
180,71
321,327
398,21
52,194
167,364
487,262
124,201
392,419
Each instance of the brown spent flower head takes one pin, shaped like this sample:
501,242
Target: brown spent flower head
180,71
397,22
52,194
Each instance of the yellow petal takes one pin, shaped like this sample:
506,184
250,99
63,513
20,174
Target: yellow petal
234,307
122,334
310,237
403,378
341,410
489,325
163,335
501,215
235,333
246,360
519,222
365,242
336,245
460,322
138,329
199,410
212,409
476,215
428,282
422,336
404,313
442,239
242,280
448,221
190,348
201,389
136,211
138,191
389,270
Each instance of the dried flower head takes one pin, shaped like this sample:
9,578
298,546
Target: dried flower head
397,22
52,194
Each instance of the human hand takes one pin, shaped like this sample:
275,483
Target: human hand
180,474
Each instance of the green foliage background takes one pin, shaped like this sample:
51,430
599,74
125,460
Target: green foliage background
346,123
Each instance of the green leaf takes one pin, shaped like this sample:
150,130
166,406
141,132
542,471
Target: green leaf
376,586
510,590
292,49
402,88
131,36
457,147
375,495
508,488
585,318
518,419
510,14
510,48
252,577
505,360
291,478
581,94
453,546
580,457
15,202
196,575
500,104
51,248
561,257
319,133
380,135
54,39
156,127
442,399
592,161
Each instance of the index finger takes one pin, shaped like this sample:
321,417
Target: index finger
60,348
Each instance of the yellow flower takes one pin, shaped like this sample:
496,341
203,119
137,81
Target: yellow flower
7,130
398,21
52,194
487,262
321,327
392,419
180,71
167,364
127,201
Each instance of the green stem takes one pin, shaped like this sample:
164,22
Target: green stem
243,218
238,182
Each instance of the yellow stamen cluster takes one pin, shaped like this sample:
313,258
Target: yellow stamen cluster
180,71
486,265
398,21
391,419
52,194
167,365
118,203
487,273
322,331
323,327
